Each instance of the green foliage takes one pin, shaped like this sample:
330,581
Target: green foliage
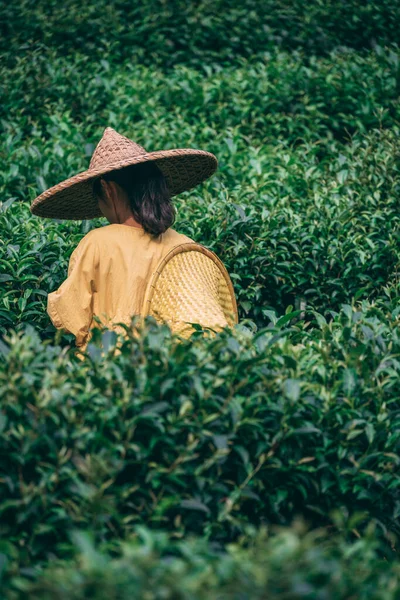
293,413
33,260
297,229
202,436
282,95
291,563
159,33
304,206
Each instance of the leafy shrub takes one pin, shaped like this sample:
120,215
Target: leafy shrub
68,101
304,207
298,229
202,436
294,412
291,563
156,33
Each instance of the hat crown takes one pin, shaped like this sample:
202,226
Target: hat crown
113,148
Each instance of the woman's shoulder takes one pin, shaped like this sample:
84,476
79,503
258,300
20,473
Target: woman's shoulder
110,232
103,231
94,234
172,237
106,233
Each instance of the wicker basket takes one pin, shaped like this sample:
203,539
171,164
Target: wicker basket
191,285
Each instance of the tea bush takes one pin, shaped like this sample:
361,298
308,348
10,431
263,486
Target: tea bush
158,33
291,563
298,230
294,413
67,102
298,212
203,436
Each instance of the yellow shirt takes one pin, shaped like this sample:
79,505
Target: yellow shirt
108,274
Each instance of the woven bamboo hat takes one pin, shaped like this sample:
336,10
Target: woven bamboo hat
183,168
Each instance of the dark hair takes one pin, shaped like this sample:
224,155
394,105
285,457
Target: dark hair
148,194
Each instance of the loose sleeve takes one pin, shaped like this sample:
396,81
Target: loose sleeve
71,306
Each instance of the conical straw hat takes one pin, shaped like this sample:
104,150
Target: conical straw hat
183,168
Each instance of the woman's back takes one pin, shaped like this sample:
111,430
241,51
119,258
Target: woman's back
107,276
112,266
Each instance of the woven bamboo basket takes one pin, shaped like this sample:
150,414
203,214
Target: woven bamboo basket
191,285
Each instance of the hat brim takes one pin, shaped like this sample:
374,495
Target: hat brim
73,198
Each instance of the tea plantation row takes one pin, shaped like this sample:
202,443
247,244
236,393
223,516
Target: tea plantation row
53,100
301,210
151,565
163,34
202,436
208,437
171,462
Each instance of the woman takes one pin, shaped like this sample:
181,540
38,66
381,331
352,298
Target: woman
110,268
